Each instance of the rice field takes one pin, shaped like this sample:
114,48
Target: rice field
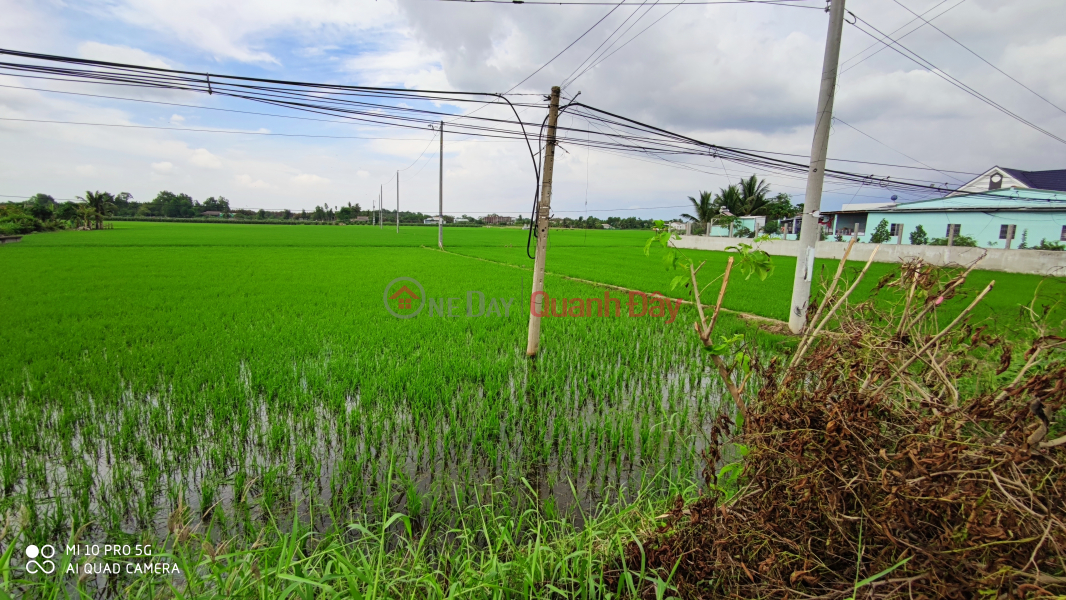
251,378
253,373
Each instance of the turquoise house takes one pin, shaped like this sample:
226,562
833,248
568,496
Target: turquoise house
997,209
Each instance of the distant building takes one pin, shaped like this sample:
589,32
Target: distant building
211,213
606,226
362,219
433,221
994,209
754,223
495,219
460,220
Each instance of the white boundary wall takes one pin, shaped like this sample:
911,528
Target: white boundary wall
1034,262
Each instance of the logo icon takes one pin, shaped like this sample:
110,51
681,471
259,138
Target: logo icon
400,300
45,566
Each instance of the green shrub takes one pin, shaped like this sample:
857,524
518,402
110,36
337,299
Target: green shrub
919,237
1046,245
881,233
960,240
20,223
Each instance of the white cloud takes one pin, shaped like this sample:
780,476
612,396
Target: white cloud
163,167
247,181
239,29
309,179
121,54
202,158
405,63
85,170
177,119
362,174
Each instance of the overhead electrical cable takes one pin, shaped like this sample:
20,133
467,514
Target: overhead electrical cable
414,109
605,40
902,50
789,3
541,68
638,34
981,58
881,46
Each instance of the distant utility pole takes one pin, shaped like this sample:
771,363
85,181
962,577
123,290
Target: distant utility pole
440,211
397,202
381,207
810,230
543,215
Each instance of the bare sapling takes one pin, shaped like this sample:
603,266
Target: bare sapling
752,262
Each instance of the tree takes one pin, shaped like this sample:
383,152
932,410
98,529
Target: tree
705,209
102,204
753,192
68,211
41,206
772,228
880,234
86,213
124,205
220,204
730,199
919,237
781,207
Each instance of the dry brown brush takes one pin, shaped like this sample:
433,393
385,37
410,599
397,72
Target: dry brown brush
899,454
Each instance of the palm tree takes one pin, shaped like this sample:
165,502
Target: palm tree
753,193
731,199
705,210
101,203
86,213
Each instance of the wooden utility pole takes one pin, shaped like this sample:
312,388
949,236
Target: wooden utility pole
440,211
397,202
543,216
810,230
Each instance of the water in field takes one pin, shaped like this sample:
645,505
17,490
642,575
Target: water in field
247,381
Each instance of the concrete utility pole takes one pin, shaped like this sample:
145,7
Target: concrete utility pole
951,234
381,207
397,202
812,201
543,216
440,212
1010,235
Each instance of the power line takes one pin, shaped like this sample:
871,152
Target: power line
230,131
791,3
839,120
198,107
351,102
935,70
881,46
981,58
620,25
564,49
594,65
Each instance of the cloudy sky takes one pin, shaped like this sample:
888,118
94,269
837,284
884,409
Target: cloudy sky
734,74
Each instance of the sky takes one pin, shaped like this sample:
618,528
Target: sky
739,75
